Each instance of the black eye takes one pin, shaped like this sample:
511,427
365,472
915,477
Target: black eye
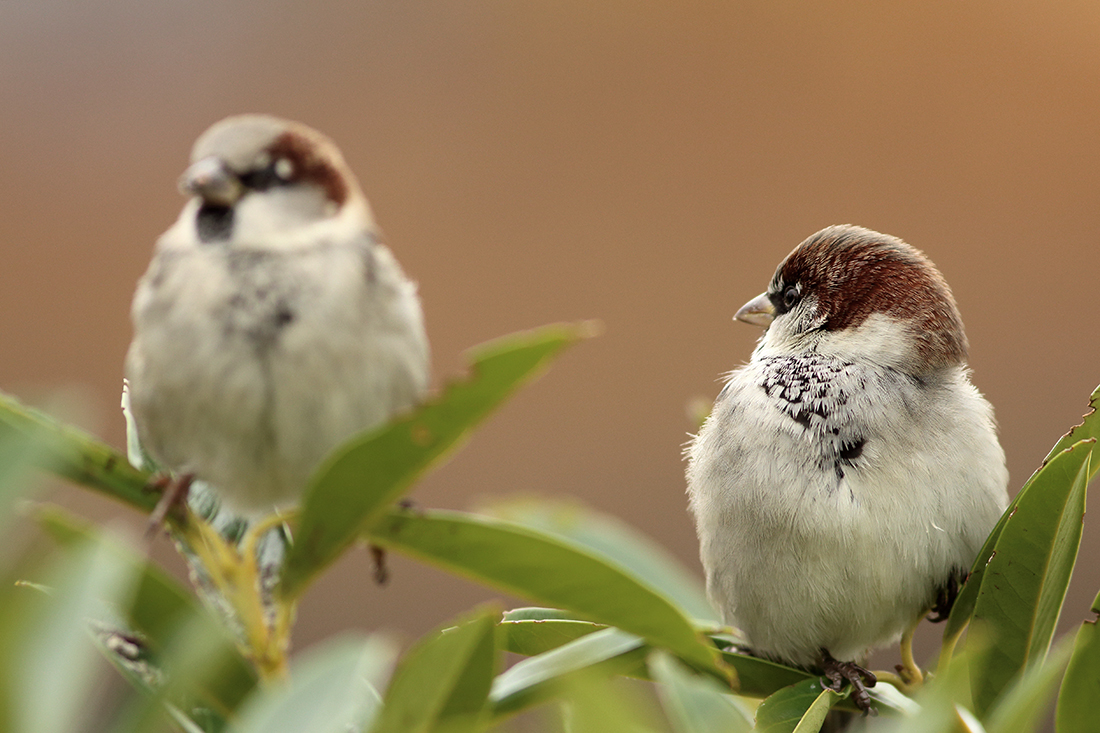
278,172
790,298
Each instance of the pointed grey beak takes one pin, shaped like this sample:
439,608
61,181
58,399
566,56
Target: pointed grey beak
759,311
210,180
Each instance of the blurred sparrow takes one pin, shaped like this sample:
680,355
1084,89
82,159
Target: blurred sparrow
272,323
849,473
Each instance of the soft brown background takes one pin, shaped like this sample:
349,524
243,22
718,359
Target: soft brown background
642,163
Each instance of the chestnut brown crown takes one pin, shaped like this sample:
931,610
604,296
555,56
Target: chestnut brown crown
852,273
262,152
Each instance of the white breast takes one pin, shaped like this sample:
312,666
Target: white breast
811,542
247,370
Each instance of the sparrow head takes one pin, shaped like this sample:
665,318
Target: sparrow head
255,178
862,296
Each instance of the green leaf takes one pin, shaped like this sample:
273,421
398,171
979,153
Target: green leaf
800,707
77,456
1089,428
49,666
192,674
1026,578
135,454
201,659
443,681
334,689
354,486
533,631
533,636
694,704
761,677
939,706
595,704
545,569
1022,707
537,613
963,608
605,535
600,654
186,724
888,699
18,454
1080,689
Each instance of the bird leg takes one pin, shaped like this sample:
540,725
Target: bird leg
173,498
378,553
378,559
858,677
909,670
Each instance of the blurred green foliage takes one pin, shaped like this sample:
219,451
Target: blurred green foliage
612,606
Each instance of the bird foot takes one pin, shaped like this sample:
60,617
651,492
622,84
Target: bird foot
173,498
858,677
378,559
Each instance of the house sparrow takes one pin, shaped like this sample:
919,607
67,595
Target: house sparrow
272,323
849,473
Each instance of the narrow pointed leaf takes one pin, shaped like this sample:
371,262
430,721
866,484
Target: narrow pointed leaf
887,698
600,654
135,454
206,667
612,538
530,637
760,677
537,613
1080,689
963,608
354,486
694,704
444,680
186,724
1028,573
937,709
597,704
49,662
77,456
800,707
197,676
19,453
1022,707
533,631
547,570
333,689
1089,428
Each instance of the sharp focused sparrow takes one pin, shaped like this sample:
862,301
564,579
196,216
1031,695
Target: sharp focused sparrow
849,473
272,323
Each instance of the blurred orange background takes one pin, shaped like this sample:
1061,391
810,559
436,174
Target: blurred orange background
646,164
